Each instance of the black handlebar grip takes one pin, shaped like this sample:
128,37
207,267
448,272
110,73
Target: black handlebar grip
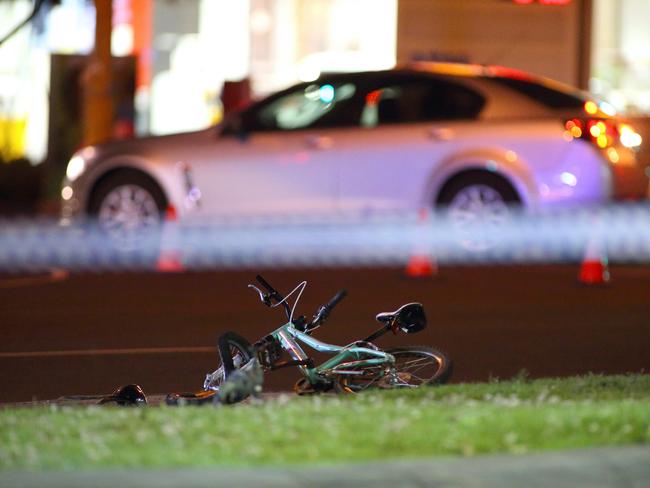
266,285
337,298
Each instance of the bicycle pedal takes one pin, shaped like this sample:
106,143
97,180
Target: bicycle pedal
304,387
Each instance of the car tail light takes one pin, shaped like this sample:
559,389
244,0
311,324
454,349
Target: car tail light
602,132
628,136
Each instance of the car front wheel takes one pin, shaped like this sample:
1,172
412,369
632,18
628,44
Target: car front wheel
126,204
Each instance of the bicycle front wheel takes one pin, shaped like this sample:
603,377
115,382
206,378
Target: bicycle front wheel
415,366
234,352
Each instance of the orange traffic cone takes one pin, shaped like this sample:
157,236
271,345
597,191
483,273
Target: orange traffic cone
594,269
169,258
421,264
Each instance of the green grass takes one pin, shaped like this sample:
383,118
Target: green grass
512,416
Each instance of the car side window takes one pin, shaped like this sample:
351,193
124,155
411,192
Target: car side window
308,106
419,100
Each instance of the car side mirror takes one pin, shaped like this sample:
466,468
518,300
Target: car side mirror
234,126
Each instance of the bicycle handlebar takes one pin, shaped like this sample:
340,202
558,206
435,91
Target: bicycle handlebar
336,299
274,294
272,291
323,312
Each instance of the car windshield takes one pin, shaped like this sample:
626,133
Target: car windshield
308,106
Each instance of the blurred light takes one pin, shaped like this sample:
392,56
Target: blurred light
511,156
312,92
458,69
373,97
602,141
261,21
66,193
76,166
88,152
612,154
601,132
308,73
569,178
591,108
507,72
608,109
595,130
326,93
122,40
574,128
629,137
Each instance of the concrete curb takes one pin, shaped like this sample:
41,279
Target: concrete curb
593,468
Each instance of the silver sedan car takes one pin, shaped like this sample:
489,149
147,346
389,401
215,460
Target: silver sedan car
474,139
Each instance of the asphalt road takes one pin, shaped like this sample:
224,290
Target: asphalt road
88,334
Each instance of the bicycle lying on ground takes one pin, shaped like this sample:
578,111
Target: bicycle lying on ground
353,368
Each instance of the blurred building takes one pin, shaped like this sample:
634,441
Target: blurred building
185,50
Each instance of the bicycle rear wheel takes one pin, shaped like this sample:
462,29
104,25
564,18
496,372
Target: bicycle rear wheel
416,366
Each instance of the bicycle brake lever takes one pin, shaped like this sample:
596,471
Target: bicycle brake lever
266,299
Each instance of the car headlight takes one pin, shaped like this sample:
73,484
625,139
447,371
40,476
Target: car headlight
79,162
76,166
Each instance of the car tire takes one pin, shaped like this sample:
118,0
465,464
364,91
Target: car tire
478,198
125,205
462,183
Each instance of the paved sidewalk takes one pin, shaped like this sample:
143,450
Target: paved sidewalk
593,468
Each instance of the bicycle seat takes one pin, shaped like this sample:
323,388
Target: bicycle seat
409,318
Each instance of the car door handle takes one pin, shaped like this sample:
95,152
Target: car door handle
440,133
319,142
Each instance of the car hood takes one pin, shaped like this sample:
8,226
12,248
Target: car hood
151,146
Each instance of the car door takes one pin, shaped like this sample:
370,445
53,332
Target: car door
409,123
277,156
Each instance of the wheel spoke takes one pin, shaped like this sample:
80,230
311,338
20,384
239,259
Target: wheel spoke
414,367
416,364
128,208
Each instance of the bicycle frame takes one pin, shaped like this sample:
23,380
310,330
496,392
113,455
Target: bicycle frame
372,366
346,360
350,356
289,336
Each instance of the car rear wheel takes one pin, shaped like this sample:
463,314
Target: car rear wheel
484,199
127,204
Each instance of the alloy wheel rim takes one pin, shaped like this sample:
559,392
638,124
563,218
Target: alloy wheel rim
477,205
127,209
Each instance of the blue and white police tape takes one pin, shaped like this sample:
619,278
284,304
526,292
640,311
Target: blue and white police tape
621,233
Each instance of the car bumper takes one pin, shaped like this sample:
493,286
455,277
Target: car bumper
629,178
